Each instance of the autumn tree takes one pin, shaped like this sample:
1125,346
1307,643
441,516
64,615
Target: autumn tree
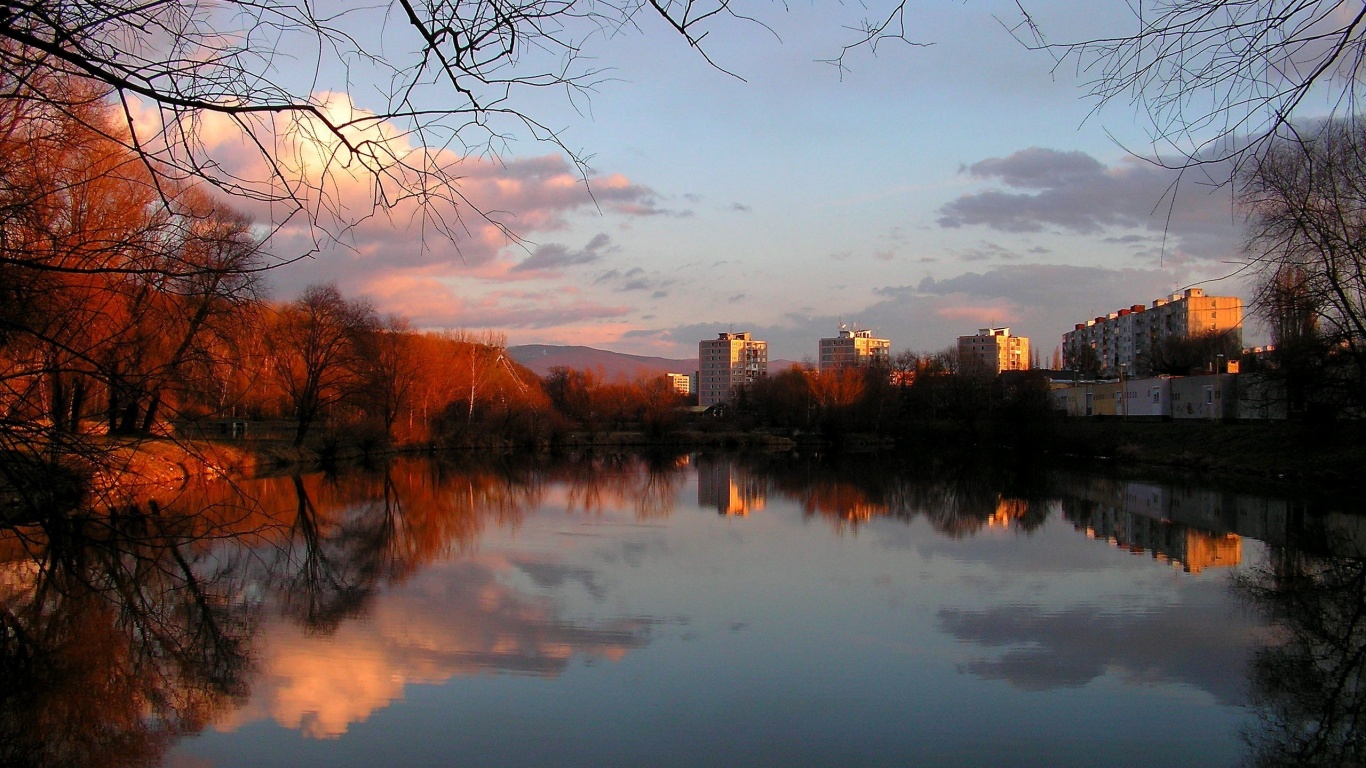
392,371
317,341
119,295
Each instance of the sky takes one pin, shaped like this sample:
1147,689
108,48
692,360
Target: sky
923,192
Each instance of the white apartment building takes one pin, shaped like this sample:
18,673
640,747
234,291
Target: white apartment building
994,350
727,363
853,349
1125,339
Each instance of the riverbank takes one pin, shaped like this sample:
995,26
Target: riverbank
1286,455
1328,456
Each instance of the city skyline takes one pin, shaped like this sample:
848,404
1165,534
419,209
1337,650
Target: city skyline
888,195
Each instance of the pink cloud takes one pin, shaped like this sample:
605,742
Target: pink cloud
431,302
366,213
996,313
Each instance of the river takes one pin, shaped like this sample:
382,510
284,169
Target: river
688,610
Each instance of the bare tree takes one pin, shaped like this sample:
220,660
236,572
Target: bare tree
1306,205
1218,78
317,343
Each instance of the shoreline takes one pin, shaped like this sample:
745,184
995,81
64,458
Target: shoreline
1279,457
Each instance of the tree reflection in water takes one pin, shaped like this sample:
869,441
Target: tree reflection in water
118,633
1308,685
124,629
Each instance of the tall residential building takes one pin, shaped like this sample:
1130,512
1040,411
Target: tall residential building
853,349
995,349
681,382
1125,340
727,363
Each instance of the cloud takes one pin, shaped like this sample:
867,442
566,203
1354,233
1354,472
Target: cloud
434,303
1039,168
1043,285
555,256
357,225
635,279
1045,190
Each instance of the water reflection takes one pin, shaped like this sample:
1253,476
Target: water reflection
118,634
1309,683
316,601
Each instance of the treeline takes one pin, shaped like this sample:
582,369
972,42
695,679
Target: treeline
917,394
128,306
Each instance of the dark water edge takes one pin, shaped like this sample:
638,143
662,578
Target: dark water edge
1320,464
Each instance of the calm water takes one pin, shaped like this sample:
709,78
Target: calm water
687,611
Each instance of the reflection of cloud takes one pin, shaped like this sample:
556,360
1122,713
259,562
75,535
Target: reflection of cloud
1195,645
456,620
554,575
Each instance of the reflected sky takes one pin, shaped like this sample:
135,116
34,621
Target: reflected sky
709,611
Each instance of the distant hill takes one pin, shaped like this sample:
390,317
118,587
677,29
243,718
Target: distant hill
540,358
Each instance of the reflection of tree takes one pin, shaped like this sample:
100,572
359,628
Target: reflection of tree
354,534
596,482
1309,685
323,584
121,631
117,634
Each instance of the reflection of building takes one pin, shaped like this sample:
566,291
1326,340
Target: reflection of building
853,349
994,350
729,492
1192,549
727,363
681,382
1127,338
1194,528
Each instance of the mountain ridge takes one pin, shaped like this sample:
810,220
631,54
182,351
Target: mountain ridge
540,358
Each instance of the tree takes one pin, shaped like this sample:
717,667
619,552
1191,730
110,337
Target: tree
393,368
1219,79
119,294
317,341
1306,206
1175,355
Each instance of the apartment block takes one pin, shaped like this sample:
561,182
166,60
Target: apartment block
853,349
1124,340
727,363
995,350
681,382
